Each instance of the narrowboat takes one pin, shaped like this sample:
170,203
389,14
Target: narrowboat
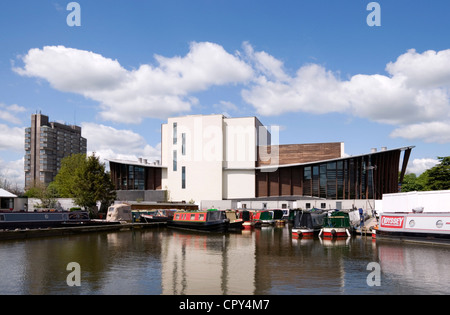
211,220
36,220
307,223
247,218
267,217
416,225
338,224
236,223
163,215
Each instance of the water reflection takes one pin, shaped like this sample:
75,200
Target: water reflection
264,261
208,263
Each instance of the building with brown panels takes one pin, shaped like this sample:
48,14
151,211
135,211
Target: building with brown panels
246,166
367,176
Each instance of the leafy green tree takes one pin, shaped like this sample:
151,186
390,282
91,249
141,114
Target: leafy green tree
65,179
439,176
47,195
411,183
435,178
91,184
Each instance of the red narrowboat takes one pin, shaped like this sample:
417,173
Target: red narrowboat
211,220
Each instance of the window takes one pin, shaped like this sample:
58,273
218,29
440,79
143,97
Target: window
308,205
323,205
183,177
183,144
174,132
174,160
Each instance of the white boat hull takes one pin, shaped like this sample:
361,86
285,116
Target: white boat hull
426,225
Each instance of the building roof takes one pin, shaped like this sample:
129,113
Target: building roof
331,160
6,194
142,163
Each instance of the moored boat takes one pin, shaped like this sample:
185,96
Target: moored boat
247,218
163,215
307,223
425,226
267,217
211,220
236,223
338,224
36,220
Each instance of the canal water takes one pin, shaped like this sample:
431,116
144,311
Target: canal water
265,261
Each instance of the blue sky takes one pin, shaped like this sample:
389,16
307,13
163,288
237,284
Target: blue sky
315,68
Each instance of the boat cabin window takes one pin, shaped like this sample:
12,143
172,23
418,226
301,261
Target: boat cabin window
2,217
110,209
201,216
193,216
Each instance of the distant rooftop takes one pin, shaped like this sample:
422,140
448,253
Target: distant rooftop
6,194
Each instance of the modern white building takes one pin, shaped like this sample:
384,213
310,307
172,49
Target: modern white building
212,159
211,156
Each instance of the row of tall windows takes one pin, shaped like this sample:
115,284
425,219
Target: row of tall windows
175,154
132,177
347,179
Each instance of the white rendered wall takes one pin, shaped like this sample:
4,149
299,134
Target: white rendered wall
238,184
202,158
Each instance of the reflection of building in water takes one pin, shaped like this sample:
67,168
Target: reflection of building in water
208,264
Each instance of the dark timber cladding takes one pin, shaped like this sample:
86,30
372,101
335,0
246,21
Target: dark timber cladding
135,177
358,177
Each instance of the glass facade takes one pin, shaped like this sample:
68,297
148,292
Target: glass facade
360,177
344,179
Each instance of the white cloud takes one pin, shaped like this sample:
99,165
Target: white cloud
413,94
13,172
415,91
433,132
111,143
12,138
131,95
9,113
418,166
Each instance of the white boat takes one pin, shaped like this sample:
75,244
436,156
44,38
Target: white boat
418,225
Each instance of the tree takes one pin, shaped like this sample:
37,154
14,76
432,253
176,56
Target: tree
65,179
411,183
435,178
439,176
91,184
47,195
